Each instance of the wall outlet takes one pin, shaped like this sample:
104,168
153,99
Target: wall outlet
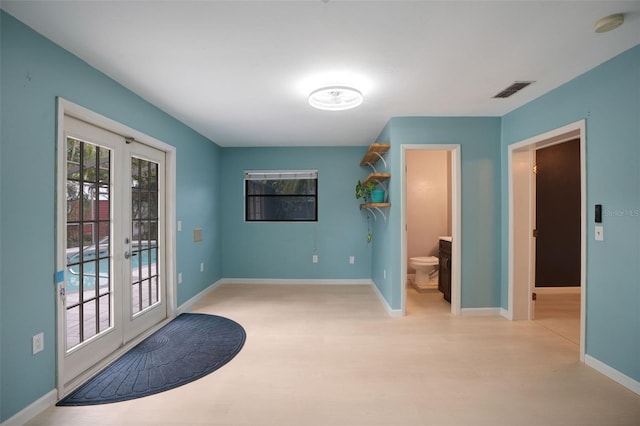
201,266
179,277
352,259
179,225
315,258
384,274
38,343
599,233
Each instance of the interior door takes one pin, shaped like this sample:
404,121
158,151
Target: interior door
113,287
558,215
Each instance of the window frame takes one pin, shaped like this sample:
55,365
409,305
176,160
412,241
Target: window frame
281,174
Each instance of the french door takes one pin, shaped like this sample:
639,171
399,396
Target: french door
114,285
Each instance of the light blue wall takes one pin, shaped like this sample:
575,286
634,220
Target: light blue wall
479,139
608,97
285,250
34,72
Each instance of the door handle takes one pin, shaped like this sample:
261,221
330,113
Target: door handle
127,255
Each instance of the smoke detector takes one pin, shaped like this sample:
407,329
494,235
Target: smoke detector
608,23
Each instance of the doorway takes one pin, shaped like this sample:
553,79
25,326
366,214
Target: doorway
452,153
114,251
522,223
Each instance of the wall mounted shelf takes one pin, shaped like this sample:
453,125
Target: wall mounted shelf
374,154
372,207
376,177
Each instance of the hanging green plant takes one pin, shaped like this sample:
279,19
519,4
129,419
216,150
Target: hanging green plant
364,190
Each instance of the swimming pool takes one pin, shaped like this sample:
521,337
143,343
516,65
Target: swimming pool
145,258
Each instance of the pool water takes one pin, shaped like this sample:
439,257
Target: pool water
89,271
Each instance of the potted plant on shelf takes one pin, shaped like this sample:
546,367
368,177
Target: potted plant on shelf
364,191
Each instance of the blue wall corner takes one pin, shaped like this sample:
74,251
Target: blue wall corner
608,99
285,250
479,138
34,72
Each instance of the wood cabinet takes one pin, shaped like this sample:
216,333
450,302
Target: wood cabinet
444,269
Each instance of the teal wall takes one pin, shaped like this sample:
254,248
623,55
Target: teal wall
34,72
608,98
285,250
479,138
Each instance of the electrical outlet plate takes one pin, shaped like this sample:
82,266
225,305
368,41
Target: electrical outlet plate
314,259
202,267
352,259
599,233
38,343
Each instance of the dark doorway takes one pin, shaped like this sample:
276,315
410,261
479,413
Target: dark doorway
558,215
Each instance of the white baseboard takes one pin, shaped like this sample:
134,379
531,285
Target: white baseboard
33,409
290,281
392,312
480,312
51,397
505,313
188,305
613,374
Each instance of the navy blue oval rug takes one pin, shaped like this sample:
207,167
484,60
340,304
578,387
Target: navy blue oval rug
187,348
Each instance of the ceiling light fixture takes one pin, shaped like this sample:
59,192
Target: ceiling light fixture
609,23
335,98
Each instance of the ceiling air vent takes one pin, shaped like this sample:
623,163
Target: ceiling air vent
514,88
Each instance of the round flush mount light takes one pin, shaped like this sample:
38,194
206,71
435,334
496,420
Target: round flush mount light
609,23
335,98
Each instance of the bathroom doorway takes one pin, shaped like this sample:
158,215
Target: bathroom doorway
524,286
430,226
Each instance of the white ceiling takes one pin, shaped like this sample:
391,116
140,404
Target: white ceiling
239,72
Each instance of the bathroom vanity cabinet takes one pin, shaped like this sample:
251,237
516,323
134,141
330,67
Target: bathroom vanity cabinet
444,269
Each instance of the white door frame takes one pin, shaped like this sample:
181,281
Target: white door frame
81,113
456,222
515,310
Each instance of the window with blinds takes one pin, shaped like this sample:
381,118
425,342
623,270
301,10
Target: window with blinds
281,196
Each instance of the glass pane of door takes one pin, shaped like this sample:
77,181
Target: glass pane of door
145,278
88,285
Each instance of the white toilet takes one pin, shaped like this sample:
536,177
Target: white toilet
424,266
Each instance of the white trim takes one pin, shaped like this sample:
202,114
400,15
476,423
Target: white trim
613,374
456,222
396,313
33,409
66,107
557,290
294,281
188,305
505,313
553,137
481,312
